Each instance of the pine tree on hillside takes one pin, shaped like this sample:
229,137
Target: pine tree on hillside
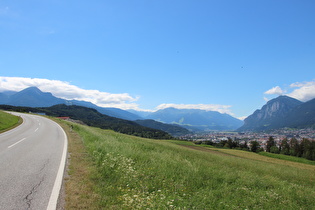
270,143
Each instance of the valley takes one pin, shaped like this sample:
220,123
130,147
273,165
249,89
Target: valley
132,172
117,163
167,105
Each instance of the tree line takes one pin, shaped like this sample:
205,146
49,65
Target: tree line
304,148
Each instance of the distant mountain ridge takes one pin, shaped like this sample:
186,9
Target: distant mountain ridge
280,112
31,97
92,117
192,119
195,119
34,97
174,130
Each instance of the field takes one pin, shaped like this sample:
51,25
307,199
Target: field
110,170
8,121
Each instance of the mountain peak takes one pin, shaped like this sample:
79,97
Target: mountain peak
284,99
32,88
273,109
33,97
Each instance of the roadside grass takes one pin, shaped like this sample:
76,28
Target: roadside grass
79,192
8,121
127,172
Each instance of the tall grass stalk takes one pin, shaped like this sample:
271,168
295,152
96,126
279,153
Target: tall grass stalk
137,173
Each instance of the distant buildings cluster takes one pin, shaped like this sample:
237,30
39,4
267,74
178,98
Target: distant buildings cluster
247,137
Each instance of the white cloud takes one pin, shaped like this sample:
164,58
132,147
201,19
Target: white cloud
242,118
207,107
275,90
296,84
303,91
67,91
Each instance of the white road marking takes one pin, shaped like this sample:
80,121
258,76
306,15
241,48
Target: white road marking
36,129
16,143
52,205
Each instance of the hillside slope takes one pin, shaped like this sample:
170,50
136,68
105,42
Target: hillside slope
7,121
92,117
135,173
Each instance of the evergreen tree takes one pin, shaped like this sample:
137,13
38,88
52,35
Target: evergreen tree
270,143
294,147
229,143
274,149
244,146
306,149
285,147
312,150
254,146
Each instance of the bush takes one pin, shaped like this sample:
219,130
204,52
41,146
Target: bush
274,149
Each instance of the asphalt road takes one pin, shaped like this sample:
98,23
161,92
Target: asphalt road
31,156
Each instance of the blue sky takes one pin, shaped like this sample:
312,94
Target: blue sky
225,55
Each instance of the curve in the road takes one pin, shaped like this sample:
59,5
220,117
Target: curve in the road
32,162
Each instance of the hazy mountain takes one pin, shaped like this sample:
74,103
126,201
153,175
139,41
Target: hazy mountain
192,119
174,130
113,112
4,98
196,119
34,97
142,114
8,92
271,115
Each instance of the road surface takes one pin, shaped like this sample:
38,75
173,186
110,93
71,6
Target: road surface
32,158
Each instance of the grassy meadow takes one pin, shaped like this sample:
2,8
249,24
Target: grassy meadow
109,170
8,121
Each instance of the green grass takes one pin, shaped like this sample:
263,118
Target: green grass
189,143
137,173
288,158
8,121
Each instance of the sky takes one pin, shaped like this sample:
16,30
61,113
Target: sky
222,55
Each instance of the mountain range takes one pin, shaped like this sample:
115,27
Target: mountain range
281,112
191,119
34,97
93,118
194,119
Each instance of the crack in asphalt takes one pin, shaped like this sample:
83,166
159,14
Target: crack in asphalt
44,166
29,197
